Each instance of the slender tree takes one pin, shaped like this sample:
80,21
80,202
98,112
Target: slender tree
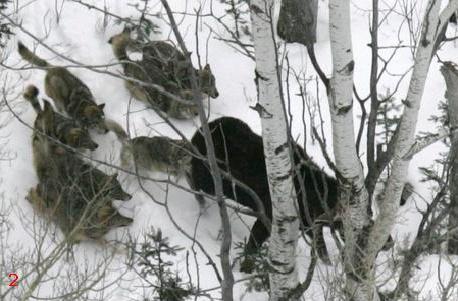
450,74
354,195
285,223
362,240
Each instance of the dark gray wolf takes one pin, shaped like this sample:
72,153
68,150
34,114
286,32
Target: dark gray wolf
69,93
164,65
66,130
153,153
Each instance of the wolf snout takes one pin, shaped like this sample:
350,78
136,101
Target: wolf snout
127,197
93,146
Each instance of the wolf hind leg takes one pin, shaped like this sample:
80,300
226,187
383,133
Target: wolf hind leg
57,89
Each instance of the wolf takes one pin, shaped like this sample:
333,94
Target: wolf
152,69
81,215
94,182
240,152
57,165
69,93
76,196
79,219
153,153
47,153
72,193
150,73
66,130
176,67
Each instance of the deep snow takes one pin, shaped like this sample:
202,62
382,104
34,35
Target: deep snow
80,35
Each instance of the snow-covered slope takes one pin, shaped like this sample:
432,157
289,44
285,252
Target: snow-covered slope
80,34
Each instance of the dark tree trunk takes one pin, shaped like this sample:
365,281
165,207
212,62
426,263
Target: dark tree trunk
297,21
450,74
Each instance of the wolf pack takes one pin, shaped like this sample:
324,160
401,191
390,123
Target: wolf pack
78,196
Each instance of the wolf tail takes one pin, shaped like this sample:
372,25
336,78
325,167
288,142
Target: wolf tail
31,57
31,95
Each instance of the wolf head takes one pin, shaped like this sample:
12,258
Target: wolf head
72,135
120,42
36,200
207,82
93,117
78,137
115,190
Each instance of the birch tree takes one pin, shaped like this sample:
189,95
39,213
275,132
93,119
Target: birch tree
285,222
354,196
363,241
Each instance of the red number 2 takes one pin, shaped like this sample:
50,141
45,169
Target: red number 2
13,282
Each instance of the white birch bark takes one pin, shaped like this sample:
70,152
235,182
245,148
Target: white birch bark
341,105
285,222
354,195
359,263
431,27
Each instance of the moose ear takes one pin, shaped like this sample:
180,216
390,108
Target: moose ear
101,106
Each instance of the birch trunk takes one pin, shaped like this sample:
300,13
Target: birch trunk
432,26
285,222
450,74
354,197
362,242
297,21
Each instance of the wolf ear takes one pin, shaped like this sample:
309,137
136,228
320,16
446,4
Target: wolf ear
101,106
75,132
113,177
127,29
207,68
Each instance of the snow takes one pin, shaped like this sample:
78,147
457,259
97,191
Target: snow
80,35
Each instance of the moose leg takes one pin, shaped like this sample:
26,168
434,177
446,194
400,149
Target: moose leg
199,198
320,245
259,234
